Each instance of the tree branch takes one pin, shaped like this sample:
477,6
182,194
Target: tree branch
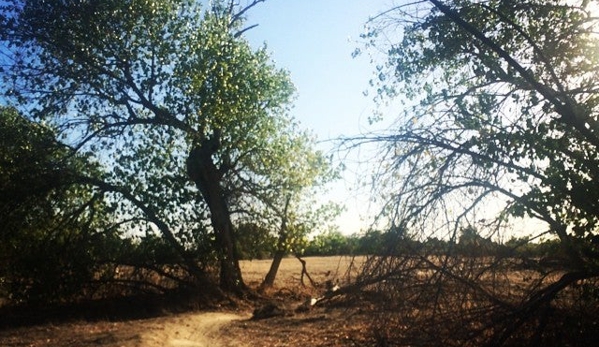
563,104
152,217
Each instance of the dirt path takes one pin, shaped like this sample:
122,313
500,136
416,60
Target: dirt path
210,328
200,329
190,330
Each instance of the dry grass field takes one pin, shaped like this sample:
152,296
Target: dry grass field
320,269
230,326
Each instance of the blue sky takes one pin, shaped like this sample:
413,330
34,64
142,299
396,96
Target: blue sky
314,40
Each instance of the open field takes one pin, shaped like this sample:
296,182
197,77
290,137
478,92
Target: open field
228,327
320,269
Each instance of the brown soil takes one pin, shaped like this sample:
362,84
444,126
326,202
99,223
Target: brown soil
191,329
340,326
336,325
341,322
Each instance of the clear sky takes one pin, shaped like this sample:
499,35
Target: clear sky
314,40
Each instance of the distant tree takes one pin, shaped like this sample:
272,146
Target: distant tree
330,243
371,242
255,242
498,121
299,215
471,243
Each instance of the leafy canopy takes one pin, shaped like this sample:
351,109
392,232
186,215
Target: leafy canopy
140,84
501,103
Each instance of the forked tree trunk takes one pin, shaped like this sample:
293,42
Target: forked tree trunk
207,177
269,280
305,273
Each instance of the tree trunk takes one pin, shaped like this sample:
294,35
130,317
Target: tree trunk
207,177
269,280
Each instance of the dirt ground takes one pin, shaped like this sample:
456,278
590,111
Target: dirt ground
189,330
331,326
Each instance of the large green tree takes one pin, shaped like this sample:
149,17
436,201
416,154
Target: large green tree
498,120
165,92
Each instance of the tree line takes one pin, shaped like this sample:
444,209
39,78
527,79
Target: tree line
377,243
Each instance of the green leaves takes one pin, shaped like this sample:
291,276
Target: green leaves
136,84
55,232
32,161
504,99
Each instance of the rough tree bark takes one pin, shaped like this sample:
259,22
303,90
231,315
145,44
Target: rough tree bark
269,280
208,178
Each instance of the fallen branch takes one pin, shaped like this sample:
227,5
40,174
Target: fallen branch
305,272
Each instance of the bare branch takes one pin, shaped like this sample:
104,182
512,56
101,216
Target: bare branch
239,15
564,105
